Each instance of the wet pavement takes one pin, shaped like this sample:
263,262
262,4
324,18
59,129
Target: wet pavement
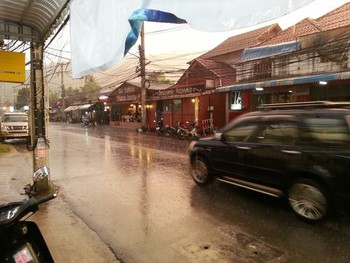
125,196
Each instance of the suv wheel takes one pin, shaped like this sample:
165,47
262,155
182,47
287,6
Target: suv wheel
200,171
308,200
2,139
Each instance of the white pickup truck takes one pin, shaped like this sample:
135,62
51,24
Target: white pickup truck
14,125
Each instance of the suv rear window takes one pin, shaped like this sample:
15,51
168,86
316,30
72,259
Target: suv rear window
328,130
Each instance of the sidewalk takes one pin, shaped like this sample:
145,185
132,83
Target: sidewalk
68,237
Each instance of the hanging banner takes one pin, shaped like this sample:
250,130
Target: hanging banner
12,67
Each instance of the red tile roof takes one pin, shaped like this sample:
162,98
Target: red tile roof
239,42
337,18
201,70
219,69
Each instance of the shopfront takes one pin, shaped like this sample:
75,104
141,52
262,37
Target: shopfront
125,105
187,104
330,87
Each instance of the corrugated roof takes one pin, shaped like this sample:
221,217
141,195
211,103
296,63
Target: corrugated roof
29,20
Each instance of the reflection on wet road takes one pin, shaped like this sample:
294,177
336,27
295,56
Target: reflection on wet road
135,191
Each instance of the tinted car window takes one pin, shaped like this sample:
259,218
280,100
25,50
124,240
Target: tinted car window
240,132
328,130
277,133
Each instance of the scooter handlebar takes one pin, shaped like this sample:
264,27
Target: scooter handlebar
46,198
14,211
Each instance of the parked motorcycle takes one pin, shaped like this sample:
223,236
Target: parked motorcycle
164,130
21,241
159,127
87,122
188,130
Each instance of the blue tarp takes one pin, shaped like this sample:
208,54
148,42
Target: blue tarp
269,51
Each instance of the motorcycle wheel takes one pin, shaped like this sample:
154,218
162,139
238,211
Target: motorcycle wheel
182,135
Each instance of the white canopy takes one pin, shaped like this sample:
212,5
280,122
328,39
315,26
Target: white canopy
99,29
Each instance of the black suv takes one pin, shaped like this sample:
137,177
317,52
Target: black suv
296,150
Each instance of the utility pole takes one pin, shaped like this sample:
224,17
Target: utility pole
143,77
63,94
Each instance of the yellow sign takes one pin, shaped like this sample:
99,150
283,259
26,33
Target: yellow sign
12,67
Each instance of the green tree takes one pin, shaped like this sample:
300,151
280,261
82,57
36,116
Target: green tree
91,89
53,98
158,77
22,98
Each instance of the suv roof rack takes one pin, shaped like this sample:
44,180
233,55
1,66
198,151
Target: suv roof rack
302,105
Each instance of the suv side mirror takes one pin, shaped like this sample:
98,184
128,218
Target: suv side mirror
218,136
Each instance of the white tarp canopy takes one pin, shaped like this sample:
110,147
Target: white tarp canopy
71,108
100,29
84,107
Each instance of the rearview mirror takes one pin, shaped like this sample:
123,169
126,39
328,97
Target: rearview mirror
41,173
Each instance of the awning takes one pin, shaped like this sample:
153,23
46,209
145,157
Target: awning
84,106
71,108
286,82
32,20
96,106
269,51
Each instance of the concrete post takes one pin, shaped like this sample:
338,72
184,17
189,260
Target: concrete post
38,116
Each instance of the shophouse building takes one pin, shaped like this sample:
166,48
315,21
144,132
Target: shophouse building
193,97
306,62
124,104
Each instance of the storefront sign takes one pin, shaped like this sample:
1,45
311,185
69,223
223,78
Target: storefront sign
176,92
127,90
126,93
128,97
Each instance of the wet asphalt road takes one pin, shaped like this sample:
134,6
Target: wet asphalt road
135,192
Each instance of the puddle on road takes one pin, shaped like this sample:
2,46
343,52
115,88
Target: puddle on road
230,247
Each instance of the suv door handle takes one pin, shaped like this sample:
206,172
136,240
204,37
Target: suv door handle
290,152
243,147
